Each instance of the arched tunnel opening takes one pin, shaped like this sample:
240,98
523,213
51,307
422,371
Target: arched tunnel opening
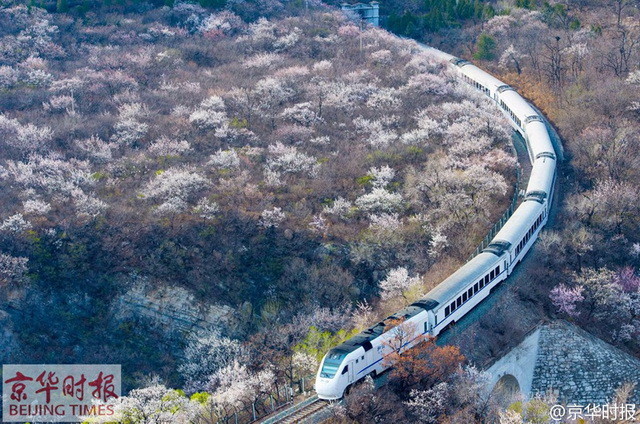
507,390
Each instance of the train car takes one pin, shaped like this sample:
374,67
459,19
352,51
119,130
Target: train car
462,291
542,179
364,353
537,137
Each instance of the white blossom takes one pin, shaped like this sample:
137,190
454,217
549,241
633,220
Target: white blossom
175,183
380,200
382,176
36,207
438,243
150,405
304,364
287,159
96,148
322,66
225,159
382,57
206,208
301,113
15,224
224,22
262,30
235,384
385,222
87,206
339,207
60,103
429,404
272,217
27,138
38,78
210,119
213,102
171,206
384,99
287,41
319,224
634,78
204,355
8,77
272,178
165,146
263,60
50,174
129,129
12,269
397,282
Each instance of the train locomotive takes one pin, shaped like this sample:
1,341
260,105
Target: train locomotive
364,353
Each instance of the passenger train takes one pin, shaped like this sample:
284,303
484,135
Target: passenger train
364,353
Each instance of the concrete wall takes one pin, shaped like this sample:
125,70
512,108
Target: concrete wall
519,362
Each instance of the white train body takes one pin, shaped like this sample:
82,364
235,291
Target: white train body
364,353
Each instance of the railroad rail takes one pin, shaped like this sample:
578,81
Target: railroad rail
298,413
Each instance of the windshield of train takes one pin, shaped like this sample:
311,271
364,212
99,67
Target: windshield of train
331,364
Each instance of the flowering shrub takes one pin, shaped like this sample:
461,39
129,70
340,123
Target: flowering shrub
278,166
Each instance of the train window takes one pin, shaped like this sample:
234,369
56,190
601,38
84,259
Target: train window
470,292
331,364
362,358
458,302
476,287
357,361
464,297
446,311
492,274
486,279
346,368
498,269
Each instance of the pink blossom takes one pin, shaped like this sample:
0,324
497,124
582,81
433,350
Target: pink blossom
565,298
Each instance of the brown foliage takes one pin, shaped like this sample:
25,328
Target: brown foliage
422,366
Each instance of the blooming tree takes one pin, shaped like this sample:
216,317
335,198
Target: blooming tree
225,159
272,217
12,269
380,200
235,384
205,355
397,283
15,224
129,129
182,183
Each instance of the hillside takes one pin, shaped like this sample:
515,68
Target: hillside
252,177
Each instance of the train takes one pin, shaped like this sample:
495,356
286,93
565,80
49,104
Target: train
364,354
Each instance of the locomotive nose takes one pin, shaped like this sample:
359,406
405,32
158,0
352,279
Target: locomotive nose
328,389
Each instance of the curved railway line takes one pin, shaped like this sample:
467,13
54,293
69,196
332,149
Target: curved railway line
452,299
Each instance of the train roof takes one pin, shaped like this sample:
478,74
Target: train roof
364,338
539,140
542,173
480,76
519,223
517,104
459,280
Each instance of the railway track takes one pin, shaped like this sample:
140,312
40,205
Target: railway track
300,412
305,412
